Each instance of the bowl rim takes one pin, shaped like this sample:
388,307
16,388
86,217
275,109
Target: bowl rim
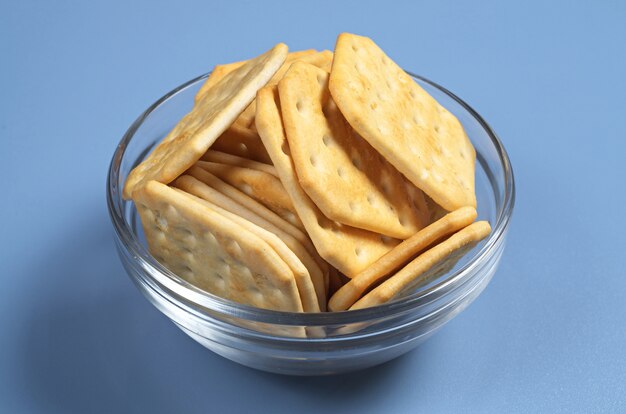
159,277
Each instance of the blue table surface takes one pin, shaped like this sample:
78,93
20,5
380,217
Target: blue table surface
547,335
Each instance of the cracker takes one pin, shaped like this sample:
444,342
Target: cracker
403,122
261,186
248,202
242,142
427,266
382,269
303,249
320,59
348,249
230,159
344,176
195,133
303,279
217,74
219,71
212,252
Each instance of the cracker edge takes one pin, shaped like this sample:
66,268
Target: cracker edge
400,255
420,266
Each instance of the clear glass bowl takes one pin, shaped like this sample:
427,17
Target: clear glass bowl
334,342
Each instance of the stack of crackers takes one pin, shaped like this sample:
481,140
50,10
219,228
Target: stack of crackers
310,181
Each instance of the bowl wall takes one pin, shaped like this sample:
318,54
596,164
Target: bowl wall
311,344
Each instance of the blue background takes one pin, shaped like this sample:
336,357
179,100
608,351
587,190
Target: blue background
547,335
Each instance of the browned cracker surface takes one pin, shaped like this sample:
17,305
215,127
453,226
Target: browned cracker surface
423,140
344,176
348,249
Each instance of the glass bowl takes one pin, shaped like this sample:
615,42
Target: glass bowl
321,343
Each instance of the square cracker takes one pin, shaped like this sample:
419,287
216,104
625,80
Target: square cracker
403,122
203,187
261,186
427,266
212,252
345,177
348,249
303,279
382,269
195,133
242,142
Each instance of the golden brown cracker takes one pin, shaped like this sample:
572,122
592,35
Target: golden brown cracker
423,140
202,187
348,249
344,176
303,279
212,252
195,133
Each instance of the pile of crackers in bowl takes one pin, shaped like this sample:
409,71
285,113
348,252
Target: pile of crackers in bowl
310,181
